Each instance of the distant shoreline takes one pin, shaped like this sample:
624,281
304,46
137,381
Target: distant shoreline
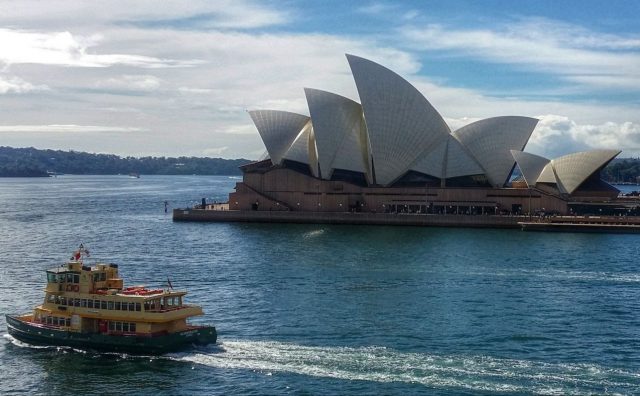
101,174
32,162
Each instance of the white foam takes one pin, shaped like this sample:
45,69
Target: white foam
561,274
478,373
314,233
21,344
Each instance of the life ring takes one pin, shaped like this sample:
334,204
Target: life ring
76,288
69,287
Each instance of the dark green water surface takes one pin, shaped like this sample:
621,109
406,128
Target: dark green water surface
316,309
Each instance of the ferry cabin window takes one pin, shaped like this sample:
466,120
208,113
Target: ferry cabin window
138,307
96,277
51,298
69,278
76,278
118,307
83,303
110,305
124,327
96,304
103,276
52,278
103,305
67,322
132,307
76,302
63,301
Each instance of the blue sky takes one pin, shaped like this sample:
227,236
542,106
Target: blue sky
176,79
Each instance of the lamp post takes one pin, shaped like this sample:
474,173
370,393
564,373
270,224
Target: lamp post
529,202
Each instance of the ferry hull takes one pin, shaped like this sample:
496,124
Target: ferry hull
44,335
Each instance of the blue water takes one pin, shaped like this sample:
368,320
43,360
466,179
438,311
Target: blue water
316,309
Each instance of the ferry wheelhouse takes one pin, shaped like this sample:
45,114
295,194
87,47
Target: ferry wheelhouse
89,307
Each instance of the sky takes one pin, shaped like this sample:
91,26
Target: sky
176,78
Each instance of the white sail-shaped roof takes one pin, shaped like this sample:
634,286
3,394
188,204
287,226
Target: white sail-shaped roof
459,162
448,160
433,163
299,149
402,125
530,165
548,175
573,169
337,124
278,130
490,141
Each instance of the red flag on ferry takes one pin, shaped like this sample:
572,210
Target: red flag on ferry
77,255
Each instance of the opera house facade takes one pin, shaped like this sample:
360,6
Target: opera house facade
394,153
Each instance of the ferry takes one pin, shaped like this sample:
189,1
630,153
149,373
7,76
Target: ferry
88,307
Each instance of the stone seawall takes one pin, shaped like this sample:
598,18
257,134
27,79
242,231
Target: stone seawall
481,221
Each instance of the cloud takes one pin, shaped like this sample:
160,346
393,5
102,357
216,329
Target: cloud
557,135
235,14
131,83
54,128
18,85
65,49
215,150
569,51
189,90
377,8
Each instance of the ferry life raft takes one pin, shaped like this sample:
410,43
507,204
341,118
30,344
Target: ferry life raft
89,307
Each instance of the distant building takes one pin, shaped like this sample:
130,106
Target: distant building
393,152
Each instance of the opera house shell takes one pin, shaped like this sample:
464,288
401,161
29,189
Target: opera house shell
393,151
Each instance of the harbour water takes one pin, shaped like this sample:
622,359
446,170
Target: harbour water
316,309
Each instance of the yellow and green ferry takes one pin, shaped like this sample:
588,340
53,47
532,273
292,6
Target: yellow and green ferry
89,307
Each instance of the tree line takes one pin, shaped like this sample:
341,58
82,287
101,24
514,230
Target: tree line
31,162
622,170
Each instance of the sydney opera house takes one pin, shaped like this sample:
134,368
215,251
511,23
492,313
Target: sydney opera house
394,153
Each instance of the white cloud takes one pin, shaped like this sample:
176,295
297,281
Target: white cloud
557,135
18,85
144,82
54,128
189,90
240,14
572,52
65,49
215,150
377,8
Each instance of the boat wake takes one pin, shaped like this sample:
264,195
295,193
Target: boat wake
558,274
314,233
474,373
67,349
21,344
